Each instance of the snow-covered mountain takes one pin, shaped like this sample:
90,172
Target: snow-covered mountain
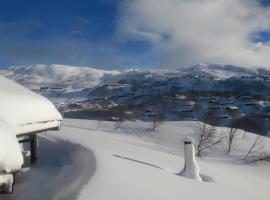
71,82
61,74
224,71
40,75
228,92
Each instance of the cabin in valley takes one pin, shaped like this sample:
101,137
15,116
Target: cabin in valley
23,114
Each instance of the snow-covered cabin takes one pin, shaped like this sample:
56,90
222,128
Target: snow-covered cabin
23,114
26,111
232,108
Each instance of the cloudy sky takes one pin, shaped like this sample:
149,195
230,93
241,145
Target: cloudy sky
140,33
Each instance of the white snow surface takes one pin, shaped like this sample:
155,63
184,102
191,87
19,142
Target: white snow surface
134,162
25,110
11,158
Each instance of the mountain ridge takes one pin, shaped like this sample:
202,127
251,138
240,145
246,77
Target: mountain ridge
227,94
76,78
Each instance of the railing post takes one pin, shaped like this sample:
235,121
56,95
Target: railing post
33,147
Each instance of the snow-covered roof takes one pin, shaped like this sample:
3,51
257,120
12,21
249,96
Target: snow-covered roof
25,110
232,107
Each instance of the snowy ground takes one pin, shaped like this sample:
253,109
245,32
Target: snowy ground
88,160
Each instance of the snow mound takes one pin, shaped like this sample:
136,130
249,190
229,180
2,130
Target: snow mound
11,158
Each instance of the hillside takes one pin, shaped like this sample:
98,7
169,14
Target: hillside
223,95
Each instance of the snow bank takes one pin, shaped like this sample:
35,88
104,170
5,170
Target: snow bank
11,158
25,110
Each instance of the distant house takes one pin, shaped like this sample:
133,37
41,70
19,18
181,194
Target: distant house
214,107
246,98
114,118
26,113
266,78
75,106
250,104
187,111
148,111
57,89
213,101
44,88
152,114
232,108
225,117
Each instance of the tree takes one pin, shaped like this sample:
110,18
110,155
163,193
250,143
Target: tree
157,119
210,117
230,138
206,138
247,123
117,124
256,146
98,123
244,135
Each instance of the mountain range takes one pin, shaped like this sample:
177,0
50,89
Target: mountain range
226,95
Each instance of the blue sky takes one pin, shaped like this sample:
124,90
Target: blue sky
73,32
94,33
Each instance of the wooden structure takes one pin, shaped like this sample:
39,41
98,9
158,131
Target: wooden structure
32,139
28,113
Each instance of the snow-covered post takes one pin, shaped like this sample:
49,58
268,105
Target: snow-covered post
6,180
191,168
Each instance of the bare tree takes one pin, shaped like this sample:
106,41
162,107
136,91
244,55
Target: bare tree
247,123
117,124
263,157
210,117
157,119
230,138
244,135
206,138
256,147
98,123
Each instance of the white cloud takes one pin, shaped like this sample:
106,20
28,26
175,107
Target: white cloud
186,32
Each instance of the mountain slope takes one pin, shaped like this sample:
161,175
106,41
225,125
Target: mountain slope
55,74
40,74
187,93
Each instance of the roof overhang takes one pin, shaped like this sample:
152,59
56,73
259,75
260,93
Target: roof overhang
37,127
